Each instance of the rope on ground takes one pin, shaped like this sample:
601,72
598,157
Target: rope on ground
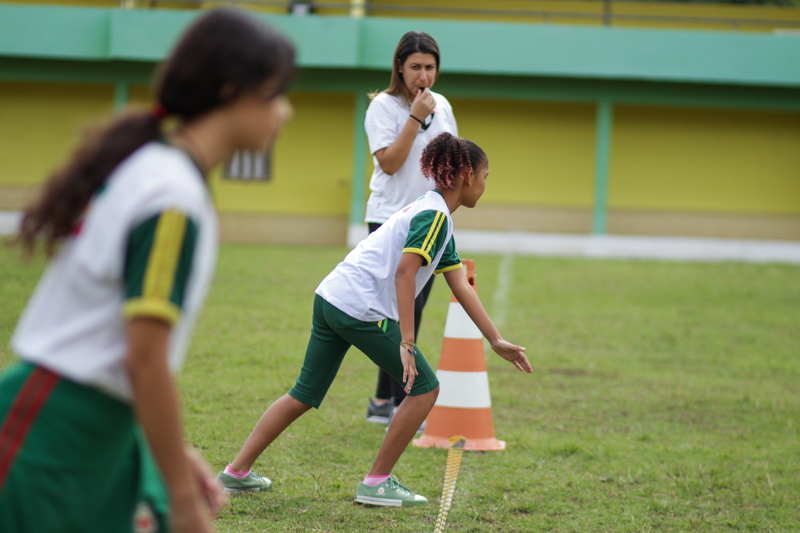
454,453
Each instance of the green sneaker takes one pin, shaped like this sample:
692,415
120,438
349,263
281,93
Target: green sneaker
252,483
390,493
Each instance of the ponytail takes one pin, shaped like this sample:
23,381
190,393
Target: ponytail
447,156
224,54
69,189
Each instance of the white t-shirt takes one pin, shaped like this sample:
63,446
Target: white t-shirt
386,117
146,247
362,286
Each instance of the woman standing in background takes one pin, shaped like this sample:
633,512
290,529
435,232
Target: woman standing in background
400,122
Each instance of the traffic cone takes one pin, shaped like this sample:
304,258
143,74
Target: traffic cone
464,406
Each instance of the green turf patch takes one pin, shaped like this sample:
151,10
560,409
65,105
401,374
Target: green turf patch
665,397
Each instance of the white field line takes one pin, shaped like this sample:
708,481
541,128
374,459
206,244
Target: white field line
503,290
628,247
9,222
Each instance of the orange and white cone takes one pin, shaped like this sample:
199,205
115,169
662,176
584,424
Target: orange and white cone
464,405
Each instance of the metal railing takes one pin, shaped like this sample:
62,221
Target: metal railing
606,16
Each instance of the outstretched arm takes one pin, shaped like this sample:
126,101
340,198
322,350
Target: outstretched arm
469,300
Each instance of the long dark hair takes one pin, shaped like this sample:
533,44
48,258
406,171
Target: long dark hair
410,43
447,156
223,54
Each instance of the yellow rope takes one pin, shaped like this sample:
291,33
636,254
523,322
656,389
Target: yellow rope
454,454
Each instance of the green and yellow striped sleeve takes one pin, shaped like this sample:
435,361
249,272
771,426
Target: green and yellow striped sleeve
426,235
158,262
450,259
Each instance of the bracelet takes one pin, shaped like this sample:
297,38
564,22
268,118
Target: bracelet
410,350
415,118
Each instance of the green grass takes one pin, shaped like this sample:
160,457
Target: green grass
665,397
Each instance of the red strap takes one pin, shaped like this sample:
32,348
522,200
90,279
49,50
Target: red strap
22,415
159,111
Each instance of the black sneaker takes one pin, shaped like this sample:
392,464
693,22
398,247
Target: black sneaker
379,413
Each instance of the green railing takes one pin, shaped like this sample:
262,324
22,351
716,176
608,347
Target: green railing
605,13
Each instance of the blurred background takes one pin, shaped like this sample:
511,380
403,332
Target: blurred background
599,117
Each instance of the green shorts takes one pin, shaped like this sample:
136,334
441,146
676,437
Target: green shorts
333,333
73,459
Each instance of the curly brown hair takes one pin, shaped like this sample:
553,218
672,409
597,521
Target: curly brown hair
223,54
447,156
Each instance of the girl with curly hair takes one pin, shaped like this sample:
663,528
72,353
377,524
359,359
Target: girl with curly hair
368,302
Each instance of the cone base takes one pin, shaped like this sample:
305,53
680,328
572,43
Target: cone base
478,445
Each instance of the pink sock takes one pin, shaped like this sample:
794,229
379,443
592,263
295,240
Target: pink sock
374,481
236,475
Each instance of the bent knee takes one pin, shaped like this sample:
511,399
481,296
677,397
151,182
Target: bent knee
429,396
434,394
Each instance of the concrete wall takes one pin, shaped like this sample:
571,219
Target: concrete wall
703,138
41,123
674,171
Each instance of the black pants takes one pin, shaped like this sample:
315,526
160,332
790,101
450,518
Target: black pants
388,387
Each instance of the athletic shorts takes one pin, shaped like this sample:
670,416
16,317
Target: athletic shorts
73,459
332,334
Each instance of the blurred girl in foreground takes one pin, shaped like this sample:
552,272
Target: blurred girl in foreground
133,234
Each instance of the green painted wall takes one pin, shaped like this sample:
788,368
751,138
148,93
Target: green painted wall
503,48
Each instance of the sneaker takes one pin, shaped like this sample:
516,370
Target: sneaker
390,493
421,426
379,412
252,483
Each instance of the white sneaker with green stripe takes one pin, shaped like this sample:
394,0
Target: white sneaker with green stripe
390,493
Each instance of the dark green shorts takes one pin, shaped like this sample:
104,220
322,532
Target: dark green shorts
73,459
333,333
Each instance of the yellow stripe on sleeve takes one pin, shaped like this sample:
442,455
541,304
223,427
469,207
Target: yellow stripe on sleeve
435,234
165,310
417,251
159,276
447,269
430,231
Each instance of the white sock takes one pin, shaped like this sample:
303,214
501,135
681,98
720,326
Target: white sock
237,475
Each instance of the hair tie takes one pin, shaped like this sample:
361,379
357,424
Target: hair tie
159,112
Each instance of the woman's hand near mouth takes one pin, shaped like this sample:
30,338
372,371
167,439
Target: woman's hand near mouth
423,103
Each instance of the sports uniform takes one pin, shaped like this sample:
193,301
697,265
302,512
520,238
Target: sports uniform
356,304
72,456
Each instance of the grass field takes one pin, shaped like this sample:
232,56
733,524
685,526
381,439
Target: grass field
665,397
